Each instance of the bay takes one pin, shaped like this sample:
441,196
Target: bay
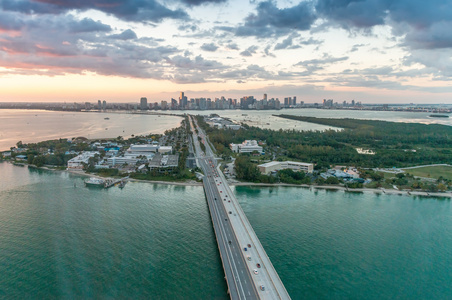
264,118
156,241
31,126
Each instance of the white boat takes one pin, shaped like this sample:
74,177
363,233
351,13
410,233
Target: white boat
95,182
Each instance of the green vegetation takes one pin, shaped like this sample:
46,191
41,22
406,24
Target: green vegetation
435,172
394,144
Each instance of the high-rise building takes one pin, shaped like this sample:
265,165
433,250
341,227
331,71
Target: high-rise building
104,105
99,104
183,101
294,101
143,103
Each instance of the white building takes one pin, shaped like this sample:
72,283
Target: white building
147,150
233,126
121,160
78,161
281,165
165,149
247,146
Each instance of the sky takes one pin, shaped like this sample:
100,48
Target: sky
373,51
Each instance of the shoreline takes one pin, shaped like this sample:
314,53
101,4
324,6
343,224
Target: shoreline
380,191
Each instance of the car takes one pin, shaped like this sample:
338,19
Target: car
230,212
229,200
221,191
262,288
244,249
226,195
248,257
258,265
255,271
225,219
249,245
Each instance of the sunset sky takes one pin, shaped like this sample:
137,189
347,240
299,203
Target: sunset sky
374,51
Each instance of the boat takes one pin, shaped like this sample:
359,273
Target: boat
438,116
122,184
96,182
107,118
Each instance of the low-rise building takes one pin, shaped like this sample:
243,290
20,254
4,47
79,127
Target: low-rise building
269,167
121,160
78,161
247,146
164,163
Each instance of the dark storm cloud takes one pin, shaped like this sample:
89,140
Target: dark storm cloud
129,10
271,20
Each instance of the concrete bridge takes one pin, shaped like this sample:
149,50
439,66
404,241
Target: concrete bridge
248,270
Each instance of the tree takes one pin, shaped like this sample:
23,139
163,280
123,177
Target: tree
332,180
39,161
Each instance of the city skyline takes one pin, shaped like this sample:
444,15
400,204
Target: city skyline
370,51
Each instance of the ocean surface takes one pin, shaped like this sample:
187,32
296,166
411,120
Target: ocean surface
59,239
30,126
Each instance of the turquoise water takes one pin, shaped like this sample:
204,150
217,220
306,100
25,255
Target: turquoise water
145,241
337,245
156,241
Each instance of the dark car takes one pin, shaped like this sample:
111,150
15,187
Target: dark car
258,265
249,245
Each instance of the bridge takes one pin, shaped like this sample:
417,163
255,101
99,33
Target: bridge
248,270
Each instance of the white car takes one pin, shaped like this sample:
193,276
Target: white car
255,271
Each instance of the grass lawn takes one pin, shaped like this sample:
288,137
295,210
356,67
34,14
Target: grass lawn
432,172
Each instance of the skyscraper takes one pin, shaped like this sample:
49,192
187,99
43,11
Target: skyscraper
143,103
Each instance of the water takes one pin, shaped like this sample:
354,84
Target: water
31,126
145,241
156,241
264,118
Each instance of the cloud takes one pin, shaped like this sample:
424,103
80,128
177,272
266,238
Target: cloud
249,51
88,25
211,47
287,44
232,46
61,44
125,35
198,63
271,20
425,24
201,2
313,65
128,10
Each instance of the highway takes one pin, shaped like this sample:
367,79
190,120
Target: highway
249,272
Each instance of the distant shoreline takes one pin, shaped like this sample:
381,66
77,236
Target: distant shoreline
252,184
